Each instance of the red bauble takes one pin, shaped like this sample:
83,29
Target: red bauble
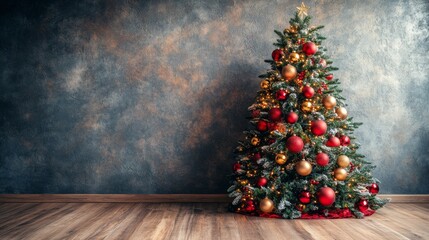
313,182
294,144
318,127
291,117
363,205
262,126
373,188
272,126
262,182
333,142
256,113
236,166
277,55
322,159
326,196
322,62
344,140
275,114
329,77
309,48
308,91
256,156
250,206
281,95
305,197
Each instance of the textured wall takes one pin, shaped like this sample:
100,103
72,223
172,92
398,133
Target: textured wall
151,96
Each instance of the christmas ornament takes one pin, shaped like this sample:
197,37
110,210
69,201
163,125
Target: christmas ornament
341,113
236,167
289,72
309,48
262,126
265,84
373,188
266,205
250,207
262,182
264,105
322,159
340,174
363,205
300,207
329,77
277,55
303,168
294,144
244,182
333,142
256,113
275,114
281,158
281,95
292,29
291,117
326,196
255,141
304,197
313,182
318,127
294,57
256,156
329,102
308,91
280,127
271,126
344,140
302,10
322,62
343,161
306,106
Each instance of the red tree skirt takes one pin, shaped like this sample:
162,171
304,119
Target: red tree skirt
332,214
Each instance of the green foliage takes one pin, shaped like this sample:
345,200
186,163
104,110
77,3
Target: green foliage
285,184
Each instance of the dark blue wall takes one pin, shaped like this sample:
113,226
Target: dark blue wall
151,96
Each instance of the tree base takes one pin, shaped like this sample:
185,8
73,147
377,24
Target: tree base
330,214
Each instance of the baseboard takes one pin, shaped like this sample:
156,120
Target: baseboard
157,198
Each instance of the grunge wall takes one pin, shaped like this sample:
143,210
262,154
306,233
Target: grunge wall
151,96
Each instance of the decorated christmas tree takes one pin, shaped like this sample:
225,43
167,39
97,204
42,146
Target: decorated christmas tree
300,159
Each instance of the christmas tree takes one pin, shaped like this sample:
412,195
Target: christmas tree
300,159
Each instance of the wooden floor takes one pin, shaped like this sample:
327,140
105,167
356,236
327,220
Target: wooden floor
197,221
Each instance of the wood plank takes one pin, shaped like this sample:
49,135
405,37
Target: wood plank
198,221
159,198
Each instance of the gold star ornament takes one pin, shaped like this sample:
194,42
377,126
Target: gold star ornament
302,10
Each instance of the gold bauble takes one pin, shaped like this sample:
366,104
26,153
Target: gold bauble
303,168
294,57
302,56
341,112
289,72
263,105
281,158
343,161
265,84
254,141
293,29
266,205
340,174
329,102
306,106
244,182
